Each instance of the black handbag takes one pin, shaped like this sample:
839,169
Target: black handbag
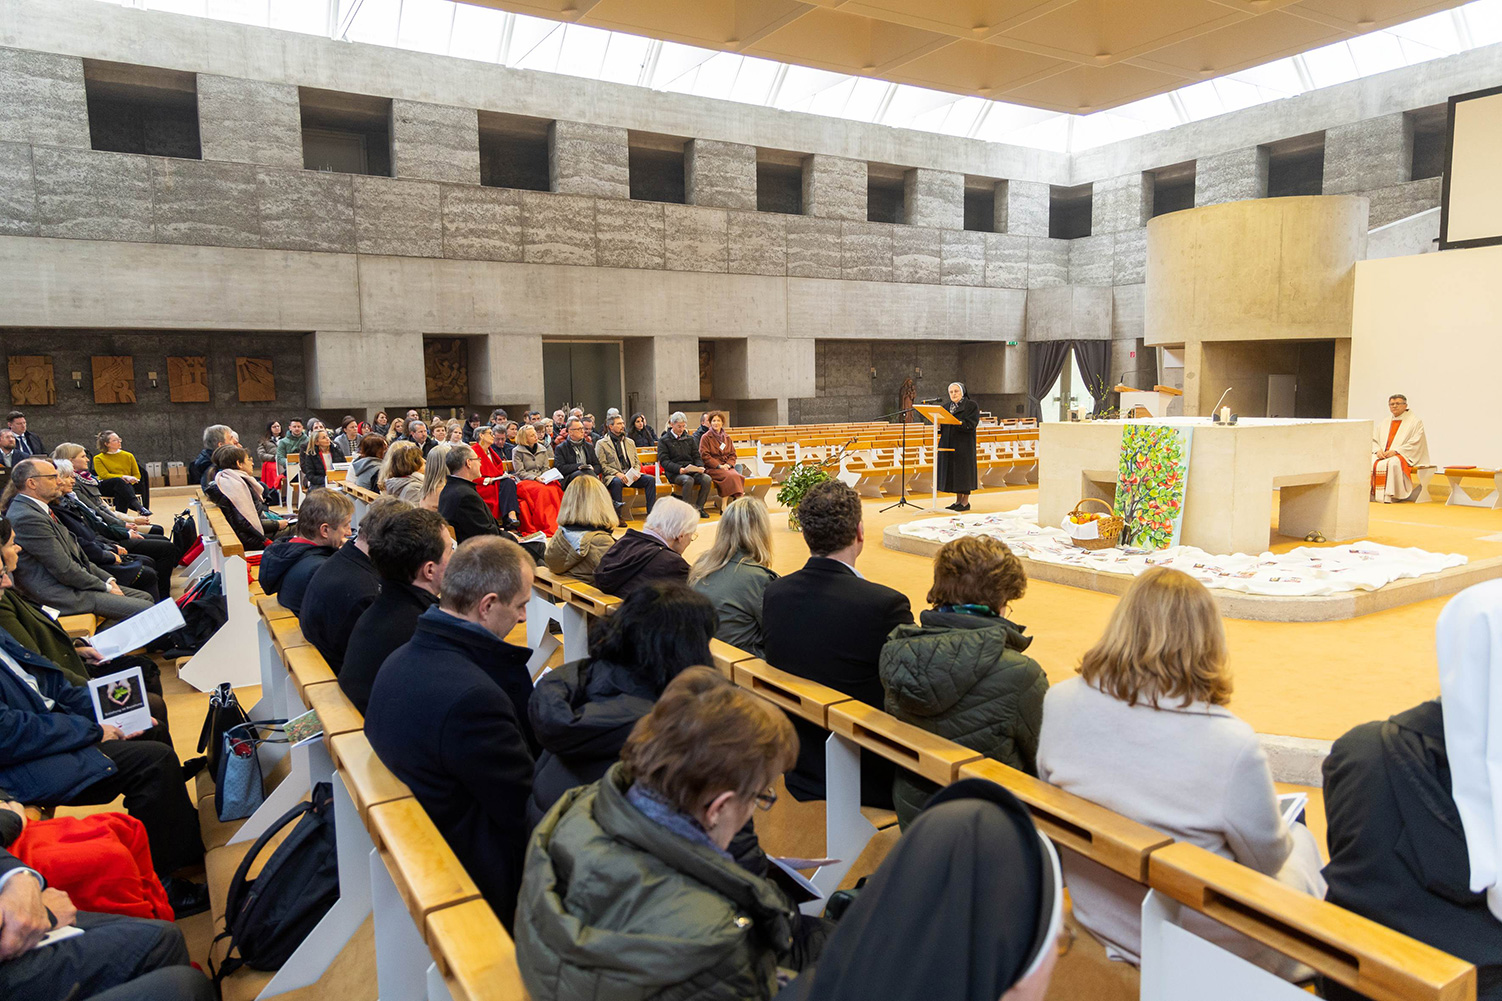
224,714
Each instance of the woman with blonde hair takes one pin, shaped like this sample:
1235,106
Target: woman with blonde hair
735,571
1144,731
402,471
585,522
119,475
434,476
538,501
398,430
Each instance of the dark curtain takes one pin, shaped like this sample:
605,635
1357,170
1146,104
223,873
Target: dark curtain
1045,360
1094,358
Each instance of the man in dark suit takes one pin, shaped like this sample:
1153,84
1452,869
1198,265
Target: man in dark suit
828,624
27,443
575,454
344,585
448,714
460,503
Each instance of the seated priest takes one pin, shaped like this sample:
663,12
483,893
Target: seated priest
1406,448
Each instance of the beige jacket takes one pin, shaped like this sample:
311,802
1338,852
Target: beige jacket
527,466
610,463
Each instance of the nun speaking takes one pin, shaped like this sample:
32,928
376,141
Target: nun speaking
956,467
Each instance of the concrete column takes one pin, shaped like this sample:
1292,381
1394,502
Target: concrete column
720,174
660,369
1231,176
247,121
834,188
1068,312
355,368
994,368
505,368
934,198
44,102
589,160
1119,204
763,368
1363,156
1022,207
435,142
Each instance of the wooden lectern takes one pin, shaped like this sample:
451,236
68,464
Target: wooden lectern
936,415
1154,402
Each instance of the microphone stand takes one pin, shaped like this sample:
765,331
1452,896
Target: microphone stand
902,500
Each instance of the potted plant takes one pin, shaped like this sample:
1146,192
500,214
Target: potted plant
800,480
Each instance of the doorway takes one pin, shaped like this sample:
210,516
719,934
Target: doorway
1068,392
587,374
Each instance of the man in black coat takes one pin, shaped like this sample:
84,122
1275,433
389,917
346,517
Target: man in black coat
460,503
828,624
678,458
410,552
448,714
288,565
575,455
27,443
344,586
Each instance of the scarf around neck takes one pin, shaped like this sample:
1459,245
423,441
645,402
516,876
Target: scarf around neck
241,491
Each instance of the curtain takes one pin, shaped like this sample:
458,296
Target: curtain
1045,360
1095,358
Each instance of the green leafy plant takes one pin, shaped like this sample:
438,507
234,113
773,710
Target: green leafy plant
1150,485
800,480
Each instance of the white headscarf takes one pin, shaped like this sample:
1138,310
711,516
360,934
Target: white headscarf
1469,645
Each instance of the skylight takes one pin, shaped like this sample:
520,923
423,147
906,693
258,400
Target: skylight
519,41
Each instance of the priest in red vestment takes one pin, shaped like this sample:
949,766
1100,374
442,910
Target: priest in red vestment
1396,452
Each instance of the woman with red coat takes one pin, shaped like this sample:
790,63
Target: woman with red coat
497,488
718,453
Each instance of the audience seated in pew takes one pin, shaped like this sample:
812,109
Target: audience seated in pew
961,672
411,553
717,456
53,568
214,437
620,468
678,458
292,443
735,571
827,623
630,887
27,442
1414,843
120,475
402,471
135,532
586,520
344,586
496,487
242,498
448,715
116,959
367,465
459,499
287,565
968,906
127,570
538,501
652,553
318,457
1144,731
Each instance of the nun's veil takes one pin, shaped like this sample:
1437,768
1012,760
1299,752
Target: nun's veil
964,907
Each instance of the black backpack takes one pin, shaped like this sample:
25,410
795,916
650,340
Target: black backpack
184,531
267,918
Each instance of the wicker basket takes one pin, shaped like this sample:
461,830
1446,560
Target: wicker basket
1109,527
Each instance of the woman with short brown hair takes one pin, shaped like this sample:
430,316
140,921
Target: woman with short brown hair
1144,731
718,455
961,671
640,858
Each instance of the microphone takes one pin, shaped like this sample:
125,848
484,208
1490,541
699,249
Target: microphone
931,399
1215,410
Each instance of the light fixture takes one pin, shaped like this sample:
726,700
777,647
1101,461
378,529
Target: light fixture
152,376
77,380
1103,57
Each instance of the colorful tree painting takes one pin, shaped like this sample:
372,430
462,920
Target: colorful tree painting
1150,481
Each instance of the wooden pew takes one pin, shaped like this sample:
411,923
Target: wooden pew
335,711
272,610
426,872
935,758
796,696
370,783
307,668
79,626
725,657
286,634
474,954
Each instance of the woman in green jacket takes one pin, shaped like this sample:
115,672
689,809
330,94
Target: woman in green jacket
734,573
960,671
630,893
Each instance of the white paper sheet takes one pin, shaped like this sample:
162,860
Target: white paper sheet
120,700
138,630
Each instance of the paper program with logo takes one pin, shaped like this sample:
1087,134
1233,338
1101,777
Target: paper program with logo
1150,484
120,700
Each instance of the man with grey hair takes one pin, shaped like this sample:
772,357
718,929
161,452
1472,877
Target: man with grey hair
448,714
620,468
653,554
678,458
214,436
460,502
52,568
417,433
575,455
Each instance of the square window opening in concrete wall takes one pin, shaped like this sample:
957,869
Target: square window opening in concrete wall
656,166
142,109
886,200
345,133
1069,211
1171,188
1296,166
513,151
779,182
1428,127
980,204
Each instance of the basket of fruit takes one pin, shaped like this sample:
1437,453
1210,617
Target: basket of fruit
1093,529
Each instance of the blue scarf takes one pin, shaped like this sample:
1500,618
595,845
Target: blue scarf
660,811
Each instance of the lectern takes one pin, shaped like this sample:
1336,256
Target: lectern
1155,401
936,415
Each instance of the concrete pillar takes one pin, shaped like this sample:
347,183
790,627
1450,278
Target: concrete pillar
247,121
1119,204
934,198
720,174
1366,155
435,142
1231,176
505,368
994,368
589,160
44,101
659,369
1022,207
355,368
763,368
834,188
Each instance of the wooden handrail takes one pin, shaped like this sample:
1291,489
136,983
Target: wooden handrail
370,783
932,757
427,873
286,634
548,583
474,954
335,711
590,599
1101,835
272,609
354,490
725,657
307,668
798,696
1361,954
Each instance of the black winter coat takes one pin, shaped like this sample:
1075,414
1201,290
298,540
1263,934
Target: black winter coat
340,591
828,625
637,559
1397,850
287,566
461,507
388,623
673,453
448,715
958,471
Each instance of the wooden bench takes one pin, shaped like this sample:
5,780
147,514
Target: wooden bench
797,696
306,667
426,872
1461,477
370,783
725,657
286,634
914,748
271,609
335,711
80,625
591,600
475,956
